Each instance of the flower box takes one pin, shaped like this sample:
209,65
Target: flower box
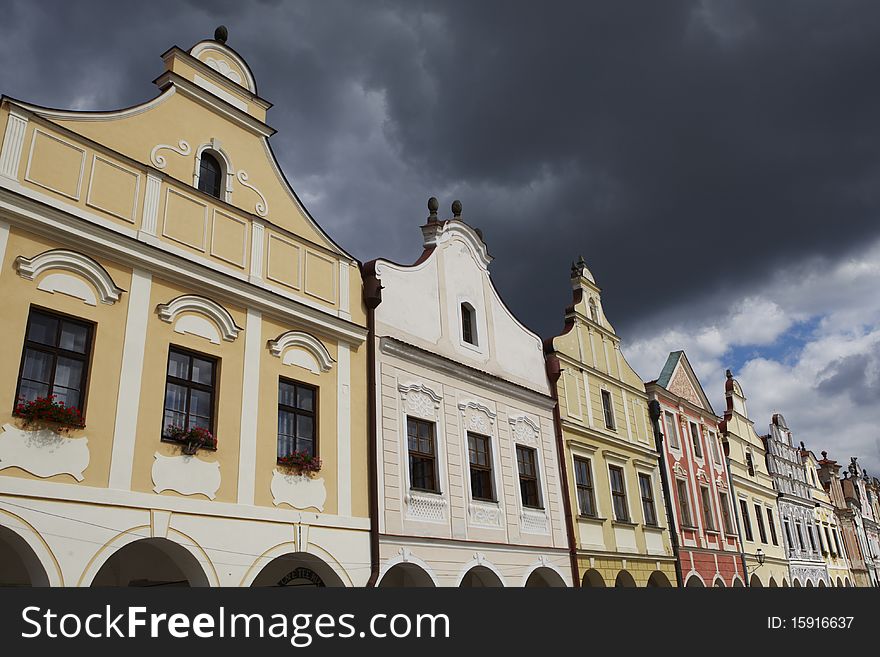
46,412
301,462
191,439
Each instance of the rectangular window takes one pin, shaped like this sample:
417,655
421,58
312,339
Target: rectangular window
772,526
527,463
695,439
759,517
671,430
800,535
811,537
467,324
787,529
750,464
190,386
297,412
747,522
684,503
583,478
55,359
821,540
725,513
708,516
618,493
836,534
480,456
422,455
716,453
828,535
608,408
646,489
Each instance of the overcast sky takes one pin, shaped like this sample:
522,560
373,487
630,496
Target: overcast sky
715,162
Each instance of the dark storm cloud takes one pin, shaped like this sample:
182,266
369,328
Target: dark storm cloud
686,148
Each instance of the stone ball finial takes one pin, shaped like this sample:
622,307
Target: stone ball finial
456,208
221,34
433,206
824,455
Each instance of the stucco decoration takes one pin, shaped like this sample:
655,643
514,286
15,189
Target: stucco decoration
222,59
223,68
420,400
477,417
180,311
43,453
428,508
75,263
524,430
262,206
302,349
486,514
187,475
680,385
298,490
159,161
534,521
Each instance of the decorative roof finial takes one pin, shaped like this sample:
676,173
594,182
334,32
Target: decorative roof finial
574,269
456,208
582,264
221,34
433,206
728,374
825,455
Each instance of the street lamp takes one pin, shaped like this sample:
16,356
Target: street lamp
759,554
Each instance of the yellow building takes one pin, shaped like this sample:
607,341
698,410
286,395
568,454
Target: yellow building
159,273
826,528
754,503
617,506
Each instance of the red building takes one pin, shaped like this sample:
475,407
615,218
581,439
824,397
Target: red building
699,485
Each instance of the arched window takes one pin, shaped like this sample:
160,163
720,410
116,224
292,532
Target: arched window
468,324
594,310
210,175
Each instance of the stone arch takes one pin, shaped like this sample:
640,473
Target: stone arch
809,584
624,580
406,575
592,579
545,576
738,583
821,584
293,569
227,171
755,581
785,584
25,558
718,582
839,582
481,576
658,579
847,583
796,583
772,584
134,560
695,581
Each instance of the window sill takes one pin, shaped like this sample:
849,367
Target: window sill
596,519
488,502
181,443
714,532
425,491
532,508
625,523
689,527
655,528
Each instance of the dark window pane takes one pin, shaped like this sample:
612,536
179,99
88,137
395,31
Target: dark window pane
30,390
209,175
68,372
200,403
305,427
175,397
43,329
37,366
305,398
74,337
202,371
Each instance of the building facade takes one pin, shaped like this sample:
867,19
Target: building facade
709,548
795,505
162,279
846,539
752,492
621,531
857,493
466,455
825,519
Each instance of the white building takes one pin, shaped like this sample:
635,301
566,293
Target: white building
469,485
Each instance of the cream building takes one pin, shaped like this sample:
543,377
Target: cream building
465,450
621,529
827,530
159,273
755,495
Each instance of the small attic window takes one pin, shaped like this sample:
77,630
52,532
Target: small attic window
594,310
210,175
468,324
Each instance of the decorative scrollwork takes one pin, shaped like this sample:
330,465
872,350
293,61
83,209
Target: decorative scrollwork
262,206
159,161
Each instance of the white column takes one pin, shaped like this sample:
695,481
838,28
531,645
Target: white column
343,428
10,156
247,455
150,217
4,239
344,291
257,236
125,431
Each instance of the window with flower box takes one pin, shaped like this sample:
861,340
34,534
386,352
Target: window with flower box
190,391
297,422
54,367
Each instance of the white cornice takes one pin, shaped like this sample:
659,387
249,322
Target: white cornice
72,115
392,347
124,245
577,365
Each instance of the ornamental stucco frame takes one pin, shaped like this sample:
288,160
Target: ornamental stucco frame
490,430
514,418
